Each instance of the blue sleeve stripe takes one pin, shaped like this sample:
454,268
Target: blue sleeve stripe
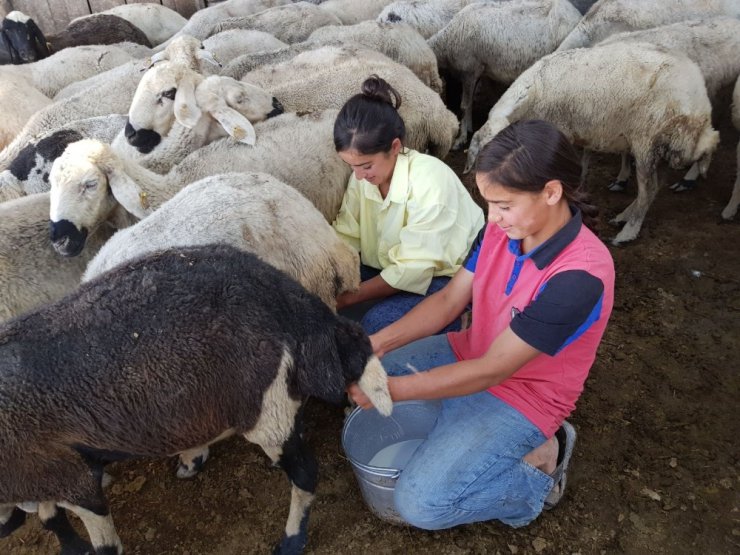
593,317
471,260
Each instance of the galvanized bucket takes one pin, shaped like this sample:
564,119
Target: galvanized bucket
366,433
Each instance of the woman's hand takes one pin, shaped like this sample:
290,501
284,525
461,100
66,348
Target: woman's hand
358,397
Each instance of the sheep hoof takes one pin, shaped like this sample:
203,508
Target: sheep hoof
617,186
683,185
459,143
291,545
16,520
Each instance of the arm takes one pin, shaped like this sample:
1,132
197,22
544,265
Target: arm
374,288
429,316
347,222
504,357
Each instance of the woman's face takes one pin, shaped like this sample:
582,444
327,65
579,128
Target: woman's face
521,214
374,168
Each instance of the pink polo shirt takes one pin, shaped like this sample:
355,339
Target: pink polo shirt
557,298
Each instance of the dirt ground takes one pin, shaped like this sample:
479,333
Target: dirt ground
655,468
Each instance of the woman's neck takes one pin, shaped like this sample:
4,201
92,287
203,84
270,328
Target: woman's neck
560,216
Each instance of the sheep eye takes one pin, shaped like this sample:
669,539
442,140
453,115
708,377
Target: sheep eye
170,93
89,185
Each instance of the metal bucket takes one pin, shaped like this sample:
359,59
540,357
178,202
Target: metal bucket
366,433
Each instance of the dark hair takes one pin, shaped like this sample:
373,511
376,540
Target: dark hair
529,153
369,121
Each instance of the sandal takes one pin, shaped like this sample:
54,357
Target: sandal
566,436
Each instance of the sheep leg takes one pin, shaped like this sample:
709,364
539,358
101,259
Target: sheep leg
622,180
299,464
11,518
100,527
634,214
55,520
191,461
731,209
688,181
466,107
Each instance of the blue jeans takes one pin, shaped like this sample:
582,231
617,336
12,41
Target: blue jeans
470,468
376,314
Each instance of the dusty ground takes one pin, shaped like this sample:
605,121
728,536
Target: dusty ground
655,467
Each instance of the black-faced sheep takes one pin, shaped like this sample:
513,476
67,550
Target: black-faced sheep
21,40
184,347
663,94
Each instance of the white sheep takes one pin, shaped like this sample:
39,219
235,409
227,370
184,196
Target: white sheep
101,95
328,76
608,17
29,87
157,22
201,22
499,40
248,211
426,17
31,273
289,23
646,100
399,42
713,44
351,12
110,181
184,347
231,44
731,209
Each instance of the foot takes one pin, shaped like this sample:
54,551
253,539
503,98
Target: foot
544,457
566,436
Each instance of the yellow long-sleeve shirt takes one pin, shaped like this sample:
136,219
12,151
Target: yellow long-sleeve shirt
422,229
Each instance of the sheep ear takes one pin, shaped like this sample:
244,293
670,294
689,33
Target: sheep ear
203,55
158,57
236,125
187,111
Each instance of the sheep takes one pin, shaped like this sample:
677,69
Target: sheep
328,76
174,336
29,172
351,12
22,40
167,93
158,23
104,94
713,44
426,17
400,43
110,181
608,17
231,44
31,273
201,22
225,107
663,93
289,23
30,86
499,40
247,211
731,209
583,6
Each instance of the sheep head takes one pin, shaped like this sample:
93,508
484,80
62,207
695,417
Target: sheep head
235,105
165,94
80,198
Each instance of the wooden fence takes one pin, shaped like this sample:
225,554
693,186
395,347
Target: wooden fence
53,16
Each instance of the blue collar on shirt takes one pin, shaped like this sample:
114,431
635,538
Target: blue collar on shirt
547,251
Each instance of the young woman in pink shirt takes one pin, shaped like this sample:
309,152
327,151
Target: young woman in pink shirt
541,286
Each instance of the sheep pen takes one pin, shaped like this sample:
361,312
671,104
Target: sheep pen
655,466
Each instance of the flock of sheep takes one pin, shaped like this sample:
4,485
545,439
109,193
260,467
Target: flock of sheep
218,129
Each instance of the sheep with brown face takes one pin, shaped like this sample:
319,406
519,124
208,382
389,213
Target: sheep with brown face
184,347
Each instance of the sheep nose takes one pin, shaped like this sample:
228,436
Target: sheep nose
66,239
129,130
277,108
